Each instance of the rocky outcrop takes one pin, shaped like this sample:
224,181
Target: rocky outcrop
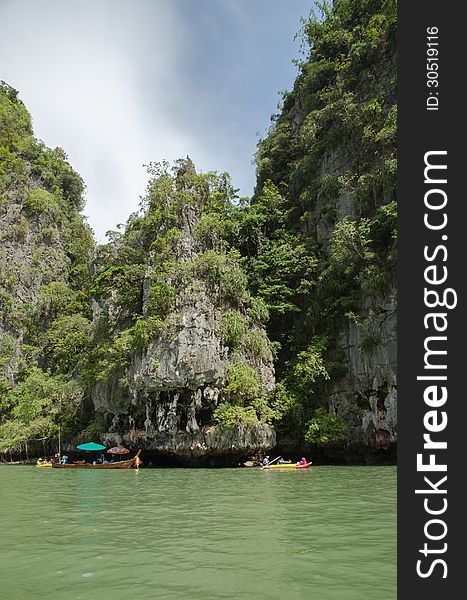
40,231
367,395
175,386
166,396
341,171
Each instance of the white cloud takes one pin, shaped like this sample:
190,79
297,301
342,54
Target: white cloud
118,84
79,67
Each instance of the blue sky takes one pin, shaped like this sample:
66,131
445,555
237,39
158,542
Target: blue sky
119,83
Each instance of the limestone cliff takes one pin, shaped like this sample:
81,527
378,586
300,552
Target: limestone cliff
45,245
192,294
331,153
366,396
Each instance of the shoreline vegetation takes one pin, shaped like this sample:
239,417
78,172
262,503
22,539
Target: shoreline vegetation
212,328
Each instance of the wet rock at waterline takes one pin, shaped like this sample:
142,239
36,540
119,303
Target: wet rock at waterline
208,442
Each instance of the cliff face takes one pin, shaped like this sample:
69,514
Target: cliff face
29,262
366,396
45,246
193,300
331,152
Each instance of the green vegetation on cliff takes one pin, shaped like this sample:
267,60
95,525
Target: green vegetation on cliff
284,271
174,250
45,253
320,231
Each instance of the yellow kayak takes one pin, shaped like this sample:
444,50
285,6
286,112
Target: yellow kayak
43,463
287,466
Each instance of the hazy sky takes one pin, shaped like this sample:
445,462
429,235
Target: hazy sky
120,83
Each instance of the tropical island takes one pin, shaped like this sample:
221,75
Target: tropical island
211,328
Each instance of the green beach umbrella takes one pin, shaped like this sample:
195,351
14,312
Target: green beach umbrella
91,446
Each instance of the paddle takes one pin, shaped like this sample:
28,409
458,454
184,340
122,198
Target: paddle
270,463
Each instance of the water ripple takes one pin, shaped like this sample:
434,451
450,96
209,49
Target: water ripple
203,534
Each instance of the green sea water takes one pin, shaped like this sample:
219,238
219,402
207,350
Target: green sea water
328,533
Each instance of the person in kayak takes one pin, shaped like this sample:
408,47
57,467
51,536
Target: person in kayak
282,461
302,461
265,461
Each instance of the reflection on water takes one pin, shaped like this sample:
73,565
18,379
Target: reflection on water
327,533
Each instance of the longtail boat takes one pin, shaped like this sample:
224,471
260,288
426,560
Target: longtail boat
123,464
287,466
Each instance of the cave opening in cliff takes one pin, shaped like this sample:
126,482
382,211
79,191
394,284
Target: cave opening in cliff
181,410
204,416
